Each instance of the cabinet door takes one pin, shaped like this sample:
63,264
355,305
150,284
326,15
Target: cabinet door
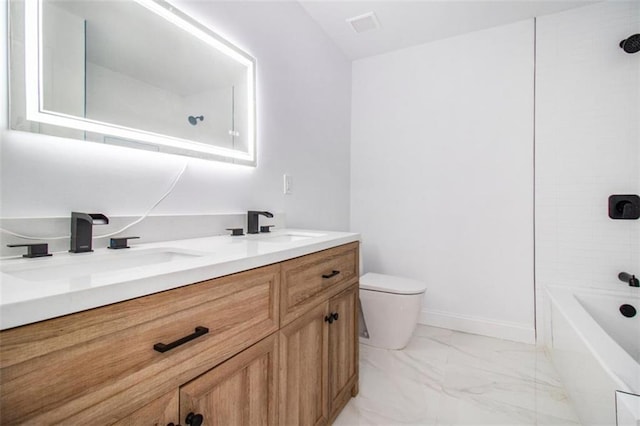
159,412
240,391
303,370
343,349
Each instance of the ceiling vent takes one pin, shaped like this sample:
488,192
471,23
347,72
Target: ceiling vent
365,22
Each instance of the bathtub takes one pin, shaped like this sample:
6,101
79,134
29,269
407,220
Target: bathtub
596,351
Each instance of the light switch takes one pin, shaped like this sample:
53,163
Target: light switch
287,183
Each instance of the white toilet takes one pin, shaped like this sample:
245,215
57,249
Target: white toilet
390,309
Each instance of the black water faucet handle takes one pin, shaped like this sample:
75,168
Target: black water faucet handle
629,278
266,228
34,250
236,232
120,242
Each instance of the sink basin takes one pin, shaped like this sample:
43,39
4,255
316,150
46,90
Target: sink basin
288,237
91,264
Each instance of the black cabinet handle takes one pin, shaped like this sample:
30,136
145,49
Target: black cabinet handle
331,275
331,317
161,347
194,419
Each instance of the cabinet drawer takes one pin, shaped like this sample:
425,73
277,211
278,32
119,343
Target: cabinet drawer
310,279
99,366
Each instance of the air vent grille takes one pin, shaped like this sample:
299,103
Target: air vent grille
365,22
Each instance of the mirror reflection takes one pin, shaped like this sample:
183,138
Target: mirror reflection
131,73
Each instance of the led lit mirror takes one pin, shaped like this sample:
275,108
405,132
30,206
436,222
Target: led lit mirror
136,73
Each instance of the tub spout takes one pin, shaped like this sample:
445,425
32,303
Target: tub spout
630,279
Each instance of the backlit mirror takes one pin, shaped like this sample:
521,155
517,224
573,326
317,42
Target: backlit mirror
136,73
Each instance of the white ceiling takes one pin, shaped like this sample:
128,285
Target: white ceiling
409,23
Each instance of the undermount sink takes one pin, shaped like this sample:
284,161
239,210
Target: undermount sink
90,264
288,237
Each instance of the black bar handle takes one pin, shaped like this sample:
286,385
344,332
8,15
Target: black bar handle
236,232
120,242
161,347
331,275
34,250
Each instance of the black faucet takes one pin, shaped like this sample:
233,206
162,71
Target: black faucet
630,279
252,220
82,230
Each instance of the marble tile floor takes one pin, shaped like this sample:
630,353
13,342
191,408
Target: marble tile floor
445,377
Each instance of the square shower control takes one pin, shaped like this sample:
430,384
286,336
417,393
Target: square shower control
624,206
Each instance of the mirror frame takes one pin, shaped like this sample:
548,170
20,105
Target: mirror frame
34,81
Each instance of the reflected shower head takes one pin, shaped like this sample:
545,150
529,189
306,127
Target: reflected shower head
631,44
193,120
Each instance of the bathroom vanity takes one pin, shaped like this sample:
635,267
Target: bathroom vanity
269,344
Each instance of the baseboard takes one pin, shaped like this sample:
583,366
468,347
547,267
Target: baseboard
482,326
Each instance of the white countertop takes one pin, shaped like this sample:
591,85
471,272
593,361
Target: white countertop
28,295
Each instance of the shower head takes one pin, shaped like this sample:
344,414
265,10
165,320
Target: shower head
631,44
193,120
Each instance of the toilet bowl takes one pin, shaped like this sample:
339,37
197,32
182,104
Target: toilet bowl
390,309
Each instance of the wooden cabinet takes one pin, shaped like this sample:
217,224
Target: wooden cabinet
159,412
103,366
319,361
343,350
99,366
240,391
304,369
312,279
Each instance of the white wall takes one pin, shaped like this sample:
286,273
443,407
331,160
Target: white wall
442,175
587,146
114,97
303,110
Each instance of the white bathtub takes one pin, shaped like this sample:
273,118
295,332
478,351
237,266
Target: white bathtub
596,350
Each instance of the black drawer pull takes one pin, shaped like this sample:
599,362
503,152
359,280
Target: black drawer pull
331,275
161,347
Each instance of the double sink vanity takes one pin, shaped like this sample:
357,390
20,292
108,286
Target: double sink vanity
254,330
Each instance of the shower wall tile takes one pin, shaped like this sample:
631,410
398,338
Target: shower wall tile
587,146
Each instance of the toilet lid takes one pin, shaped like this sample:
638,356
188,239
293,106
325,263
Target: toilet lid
391,284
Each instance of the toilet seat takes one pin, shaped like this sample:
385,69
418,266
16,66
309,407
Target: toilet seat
391,284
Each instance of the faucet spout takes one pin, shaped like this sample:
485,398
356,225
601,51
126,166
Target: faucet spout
82,230
252,220
629,278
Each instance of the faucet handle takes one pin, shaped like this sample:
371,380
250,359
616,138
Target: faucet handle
236,232
120,242
266,228
34,250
